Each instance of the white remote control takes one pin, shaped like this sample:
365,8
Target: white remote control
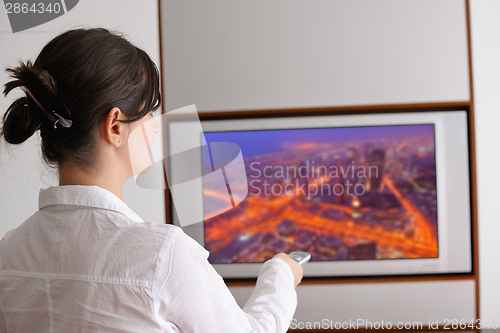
300,257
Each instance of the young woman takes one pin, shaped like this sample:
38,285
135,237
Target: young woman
85,262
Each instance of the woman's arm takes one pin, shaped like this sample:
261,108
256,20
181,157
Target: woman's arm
190,294
274,300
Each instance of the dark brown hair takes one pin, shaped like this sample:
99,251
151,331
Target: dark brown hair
81,74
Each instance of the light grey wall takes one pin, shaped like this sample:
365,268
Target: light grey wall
246,55
485,33
21,172
399,302
234,55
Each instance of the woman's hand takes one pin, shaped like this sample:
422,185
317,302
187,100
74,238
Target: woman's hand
297,270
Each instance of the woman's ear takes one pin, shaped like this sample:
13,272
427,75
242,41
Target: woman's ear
114,129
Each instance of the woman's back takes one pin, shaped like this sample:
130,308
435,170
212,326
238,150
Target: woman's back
86,263
81,250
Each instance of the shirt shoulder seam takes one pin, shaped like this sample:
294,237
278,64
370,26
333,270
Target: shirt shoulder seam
175,236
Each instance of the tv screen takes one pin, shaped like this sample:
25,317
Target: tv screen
350,193
365,194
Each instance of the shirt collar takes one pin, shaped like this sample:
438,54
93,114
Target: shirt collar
89,196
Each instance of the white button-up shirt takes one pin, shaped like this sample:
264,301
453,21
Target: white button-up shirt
85,262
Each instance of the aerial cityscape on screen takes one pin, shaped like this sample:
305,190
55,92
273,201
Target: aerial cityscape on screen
352,193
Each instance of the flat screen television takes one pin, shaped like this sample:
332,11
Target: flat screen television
365,194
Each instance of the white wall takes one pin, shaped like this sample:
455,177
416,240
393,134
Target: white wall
401,302
234,55
237,55
485,33
21,172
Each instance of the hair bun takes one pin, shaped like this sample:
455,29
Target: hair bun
24,117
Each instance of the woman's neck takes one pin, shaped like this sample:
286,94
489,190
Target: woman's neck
71,174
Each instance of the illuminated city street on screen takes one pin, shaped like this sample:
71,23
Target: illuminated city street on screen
353,193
